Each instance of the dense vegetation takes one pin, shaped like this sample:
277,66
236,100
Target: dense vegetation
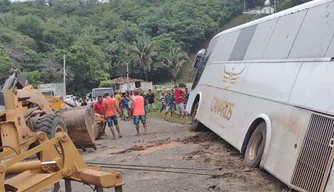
155,37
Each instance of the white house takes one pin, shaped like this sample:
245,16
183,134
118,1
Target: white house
123,84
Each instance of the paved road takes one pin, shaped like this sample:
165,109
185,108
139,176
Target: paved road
173,145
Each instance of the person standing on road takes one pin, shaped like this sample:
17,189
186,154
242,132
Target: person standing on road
139,111
84,102
151,99
169,99
110,106
129,97
125,107
99,109
98,106
179,94
94,100
163,102
118,98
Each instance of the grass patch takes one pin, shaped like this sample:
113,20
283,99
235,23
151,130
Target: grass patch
175,119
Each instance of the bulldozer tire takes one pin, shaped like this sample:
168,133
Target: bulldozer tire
50,124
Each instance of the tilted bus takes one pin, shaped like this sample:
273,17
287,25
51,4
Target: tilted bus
267,88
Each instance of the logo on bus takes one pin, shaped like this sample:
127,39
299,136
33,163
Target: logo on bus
222,107
231,77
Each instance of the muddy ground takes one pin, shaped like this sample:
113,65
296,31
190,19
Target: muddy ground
172,158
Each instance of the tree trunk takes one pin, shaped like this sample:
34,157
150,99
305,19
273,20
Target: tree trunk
174,75
146,74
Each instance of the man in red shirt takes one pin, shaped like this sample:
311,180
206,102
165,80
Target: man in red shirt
99,109
98,106
110,106
178,96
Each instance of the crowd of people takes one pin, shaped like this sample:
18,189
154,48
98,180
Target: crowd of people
174,100
134,105
129,105
79,101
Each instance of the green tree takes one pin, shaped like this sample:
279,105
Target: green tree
87,63
5,65
33,77
174,61
55,34
7,19
20,48
101,35
143,53
4,6
31,26
107,83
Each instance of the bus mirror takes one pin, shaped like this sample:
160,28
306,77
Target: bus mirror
198,58
196,62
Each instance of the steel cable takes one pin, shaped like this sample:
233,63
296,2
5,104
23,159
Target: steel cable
161,170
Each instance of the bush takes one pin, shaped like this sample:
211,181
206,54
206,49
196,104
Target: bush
107,83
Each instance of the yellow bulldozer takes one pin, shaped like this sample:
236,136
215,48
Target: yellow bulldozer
28,126
58,105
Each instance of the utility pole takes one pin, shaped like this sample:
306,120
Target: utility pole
244,5
127,75
127,70
64,75
64,66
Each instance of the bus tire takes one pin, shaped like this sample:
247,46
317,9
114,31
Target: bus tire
255,146
195,124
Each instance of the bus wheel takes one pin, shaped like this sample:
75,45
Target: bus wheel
195,124
255,146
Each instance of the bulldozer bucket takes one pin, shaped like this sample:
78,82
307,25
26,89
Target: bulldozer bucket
80,126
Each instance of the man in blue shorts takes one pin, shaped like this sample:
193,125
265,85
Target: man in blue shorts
138,111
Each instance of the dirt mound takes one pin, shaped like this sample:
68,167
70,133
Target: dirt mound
200,138
144,146
226,159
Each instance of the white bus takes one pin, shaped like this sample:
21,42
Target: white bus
267,88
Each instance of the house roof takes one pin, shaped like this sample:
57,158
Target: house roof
123,80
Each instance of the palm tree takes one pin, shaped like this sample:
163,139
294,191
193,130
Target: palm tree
174,61
7,19
143,53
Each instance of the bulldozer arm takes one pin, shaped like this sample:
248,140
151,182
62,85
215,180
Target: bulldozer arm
51,168
80,126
